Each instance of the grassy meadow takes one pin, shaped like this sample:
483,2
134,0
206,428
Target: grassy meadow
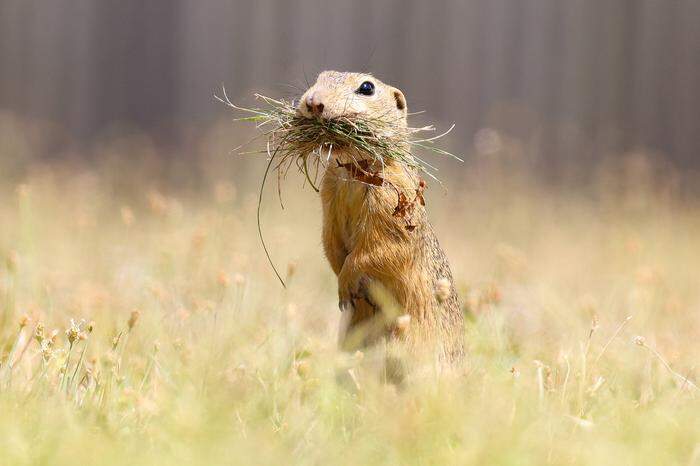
140,322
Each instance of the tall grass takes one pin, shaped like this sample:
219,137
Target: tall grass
138,325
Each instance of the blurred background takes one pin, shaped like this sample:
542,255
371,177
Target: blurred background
566,112
576,81
577,208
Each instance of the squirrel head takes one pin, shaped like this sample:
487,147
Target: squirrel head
338,94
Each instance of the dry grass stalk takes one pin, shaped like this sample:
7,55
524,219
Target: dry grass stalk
308,143
641,341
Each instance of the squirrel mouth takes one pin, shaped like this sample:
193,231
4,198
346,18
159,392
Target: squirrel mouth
296,137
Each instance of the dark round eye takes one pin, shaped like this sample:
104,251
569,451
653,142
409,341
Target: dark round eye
366,88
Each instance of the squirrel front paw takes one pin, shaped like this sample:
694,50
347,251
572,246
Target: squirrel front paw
349,295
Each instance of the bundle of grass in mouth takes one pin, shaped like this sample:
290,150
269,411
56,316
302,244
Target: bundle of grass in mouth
294,139
371,139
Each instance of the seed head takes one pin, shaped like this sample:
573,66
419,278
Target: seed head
402,323
491,295
11,261
303,368
639,340
73,332
46,348
133,318
157,202
127,216
223,279
443,289
291,269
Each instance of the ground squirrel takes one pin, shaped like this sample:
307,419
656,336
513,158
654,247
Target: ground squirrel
394,280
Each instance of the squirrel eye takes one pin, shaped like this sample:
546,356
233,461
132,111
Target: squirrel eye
366,88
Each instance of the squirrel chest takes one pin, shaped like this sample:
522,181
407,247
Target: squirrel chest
345,205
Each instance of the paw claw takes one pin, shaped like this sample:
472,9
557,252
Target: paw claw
345,305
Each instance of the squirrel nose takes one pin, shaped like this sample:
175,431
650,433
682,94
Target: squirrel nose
314,104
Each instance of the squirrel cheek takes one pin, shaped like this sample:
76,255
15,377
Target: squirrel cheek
358,106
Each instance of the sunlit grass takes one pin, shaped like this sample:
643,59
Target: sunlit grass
139,325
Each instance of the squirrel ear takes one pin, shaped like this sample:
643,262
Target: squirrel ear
400,99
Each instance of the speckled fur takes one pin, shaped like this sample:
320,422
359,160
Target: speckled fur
384,269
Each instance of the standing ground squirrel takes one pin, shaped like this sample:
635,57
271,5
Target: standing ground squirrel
394,280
